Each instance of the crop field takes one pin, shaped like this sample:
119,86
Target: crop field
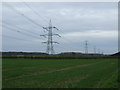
60,73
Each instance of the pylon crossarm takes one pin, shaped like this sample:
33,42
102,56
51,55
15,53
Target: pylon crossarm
44,35
56,42
44,42
57,35
46,28
55,28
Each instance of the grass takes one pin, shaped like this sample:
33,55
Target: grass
60,73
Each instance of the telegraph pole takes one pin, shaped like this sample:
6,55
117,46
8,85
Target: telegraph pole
86,47
49,35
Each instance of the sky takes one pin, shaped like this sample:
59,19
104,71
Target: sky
96,22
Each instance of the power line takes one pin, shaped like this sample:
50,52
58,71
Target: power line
19,32
15,38
25,3
25,30
65,38
24,15
68,40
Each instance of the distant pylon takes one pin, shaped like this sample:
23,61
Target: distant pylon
49,35
86,47
102,52
94,50
98,51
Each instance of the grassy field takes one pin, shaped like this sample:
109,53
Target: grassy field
59,73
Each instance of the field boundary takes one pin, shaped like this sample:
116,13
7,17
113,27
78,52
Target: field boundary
54,57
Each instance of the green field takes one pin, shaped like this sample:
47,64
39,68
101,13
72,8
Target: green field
59,73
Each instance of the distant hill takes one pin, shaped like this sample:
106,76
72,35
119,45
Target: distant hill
116,54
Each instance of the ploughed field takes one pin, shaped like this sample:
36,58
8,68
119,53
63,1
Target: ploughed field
59,73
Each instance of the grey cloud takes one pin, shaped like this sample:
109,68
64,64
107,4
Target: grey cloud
69,18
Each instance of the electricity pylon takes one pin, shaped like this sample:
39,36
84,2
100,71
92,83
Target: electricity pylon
49,35
86,47
98,51
94,49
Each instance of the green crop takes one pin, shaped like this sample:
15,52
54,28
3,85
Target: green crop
60,73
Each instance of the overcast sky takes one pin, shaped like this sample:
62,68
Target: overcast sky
95,22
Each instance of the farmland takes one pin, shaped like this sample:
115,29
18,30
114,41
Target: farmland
60,73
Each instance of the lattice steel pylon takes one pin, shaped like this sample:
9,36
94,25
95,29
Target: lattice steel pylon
49,35
86,47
